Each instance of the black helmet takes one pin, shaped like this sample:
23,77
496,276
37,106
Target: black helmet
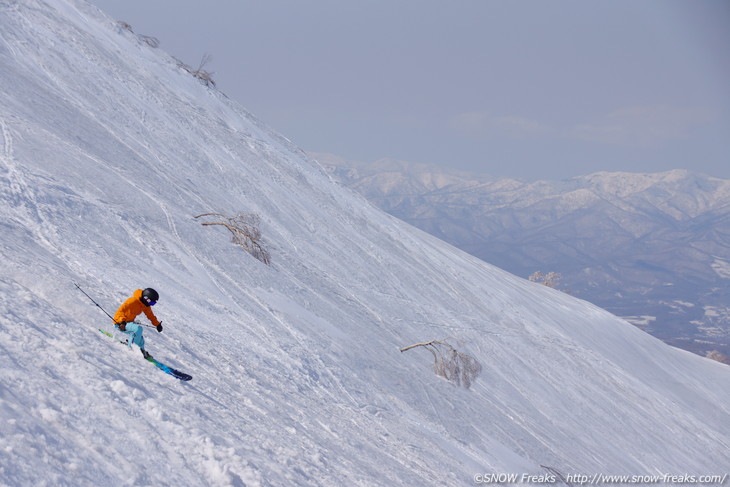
150,296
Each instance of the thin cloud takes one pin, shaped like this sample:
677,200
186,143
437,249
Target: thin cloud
644,125
483,124
641,125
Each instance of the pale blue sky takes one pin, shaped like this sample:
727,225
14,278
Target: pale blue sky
528,89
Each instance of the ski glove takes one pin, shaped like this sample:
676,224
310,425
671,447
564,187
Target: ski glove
159,328
123,326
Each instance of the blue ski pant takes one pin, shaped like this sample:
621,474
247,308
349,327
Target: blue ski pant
134,331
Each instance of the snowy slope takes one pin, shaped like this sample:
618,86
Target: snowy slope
108,150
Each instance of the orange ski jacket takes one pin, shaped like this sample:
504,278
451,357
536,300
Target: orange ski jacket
132,307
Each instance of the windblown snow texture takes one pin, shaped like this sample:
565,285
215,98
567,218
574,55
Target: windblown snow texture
108,150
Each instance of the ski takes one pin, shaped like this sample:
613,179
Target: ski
165,368
104,332
169,370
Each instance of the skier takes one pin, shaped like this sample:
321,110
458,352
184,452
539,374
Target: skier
141,301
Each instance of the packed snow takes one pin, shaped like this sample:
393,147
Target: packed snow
721,267
108,150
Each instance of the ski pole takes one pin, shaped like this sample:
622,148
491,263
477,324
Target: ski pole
143,324
97,304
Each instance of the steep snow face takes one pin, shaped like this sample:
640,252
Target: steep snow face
109,150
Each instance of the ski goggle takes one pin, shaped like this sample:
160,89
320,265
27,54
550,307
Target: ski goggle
152,303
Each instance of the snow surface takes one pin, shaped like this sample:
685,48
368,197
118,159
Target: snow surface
721,267
108,150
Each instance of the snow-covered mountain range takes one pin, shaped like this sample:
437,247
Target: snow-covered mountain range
652,248
108,150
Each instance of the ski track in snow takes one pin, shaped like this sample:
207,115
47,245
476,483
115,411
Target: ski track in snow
16,183
109,150
22,194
